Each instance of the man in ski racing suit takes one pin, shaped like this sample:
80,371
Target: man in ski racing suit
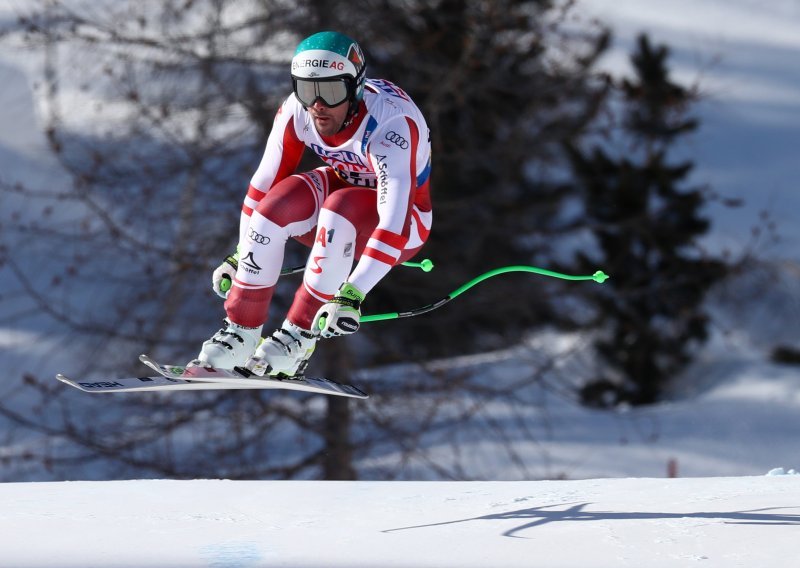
366,211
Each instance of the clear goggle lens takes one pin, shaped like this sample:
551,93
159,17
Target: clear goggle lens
332,92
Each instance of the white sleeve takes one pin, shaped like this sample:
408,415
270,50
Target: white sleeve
392,153
280,160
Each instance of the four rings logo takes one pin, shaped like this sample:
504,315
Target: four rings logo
258,237
396,139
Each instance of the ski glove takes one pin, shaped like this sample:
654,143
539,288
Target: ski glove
340,316
222,278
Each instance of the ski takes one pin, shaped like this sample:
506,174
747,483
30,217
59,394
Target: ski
141,384
180,377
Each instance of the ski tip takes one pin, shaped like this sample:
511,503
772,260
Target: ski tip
149,362
67,381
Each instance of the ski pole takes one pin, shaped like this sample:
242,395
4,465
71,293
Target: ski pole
426,265
598,277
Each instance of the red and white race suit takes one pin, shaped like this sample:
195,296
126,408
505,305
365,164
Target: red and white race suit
371,203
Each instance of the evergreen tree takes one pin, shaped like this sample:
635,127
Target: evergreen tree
646,222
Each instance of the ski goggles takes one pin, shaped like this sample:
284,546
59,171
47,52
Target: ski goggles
332,92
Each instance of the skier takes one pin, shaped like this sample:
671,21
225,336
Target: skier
370,204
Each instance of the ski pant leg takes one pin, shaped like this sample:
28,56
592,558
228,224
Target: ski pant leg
348,218
289,209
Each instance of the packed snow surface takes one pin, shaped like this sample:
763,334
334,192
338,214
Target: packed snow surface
727,522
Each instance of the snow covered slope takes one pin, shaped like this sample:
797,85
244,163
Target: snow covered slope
743,56
713,522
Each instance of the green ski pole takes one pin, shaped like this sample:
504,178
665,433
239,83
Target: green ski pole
598,277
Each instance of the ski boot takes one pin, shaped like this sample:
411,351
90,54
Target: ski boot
230,347
284,354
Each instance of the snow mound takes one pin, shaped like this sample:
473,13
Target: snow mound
781,471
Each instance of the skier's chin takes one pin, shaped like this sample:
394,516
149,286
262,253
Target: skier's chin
326,126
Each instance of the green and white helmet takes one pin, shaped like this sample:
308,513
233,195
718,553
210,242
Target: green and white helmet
328,66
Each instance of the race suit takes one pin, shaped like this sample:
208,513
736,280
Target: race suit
371,203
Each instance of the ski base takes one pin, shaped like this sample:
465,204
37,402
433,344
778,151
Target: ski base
180,377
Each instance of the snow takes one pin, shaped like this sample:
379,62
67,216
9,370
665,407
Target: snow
710,522
742,54
729,428
732,413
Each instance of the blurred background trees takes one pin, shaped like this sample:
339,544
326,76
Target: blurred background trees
159,112
647,227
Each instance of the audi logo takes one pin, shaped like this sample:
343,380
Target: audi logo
396,139
258,237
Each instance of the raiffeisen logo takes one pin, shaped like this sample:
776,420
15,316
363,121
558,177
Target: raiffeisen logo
318,63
